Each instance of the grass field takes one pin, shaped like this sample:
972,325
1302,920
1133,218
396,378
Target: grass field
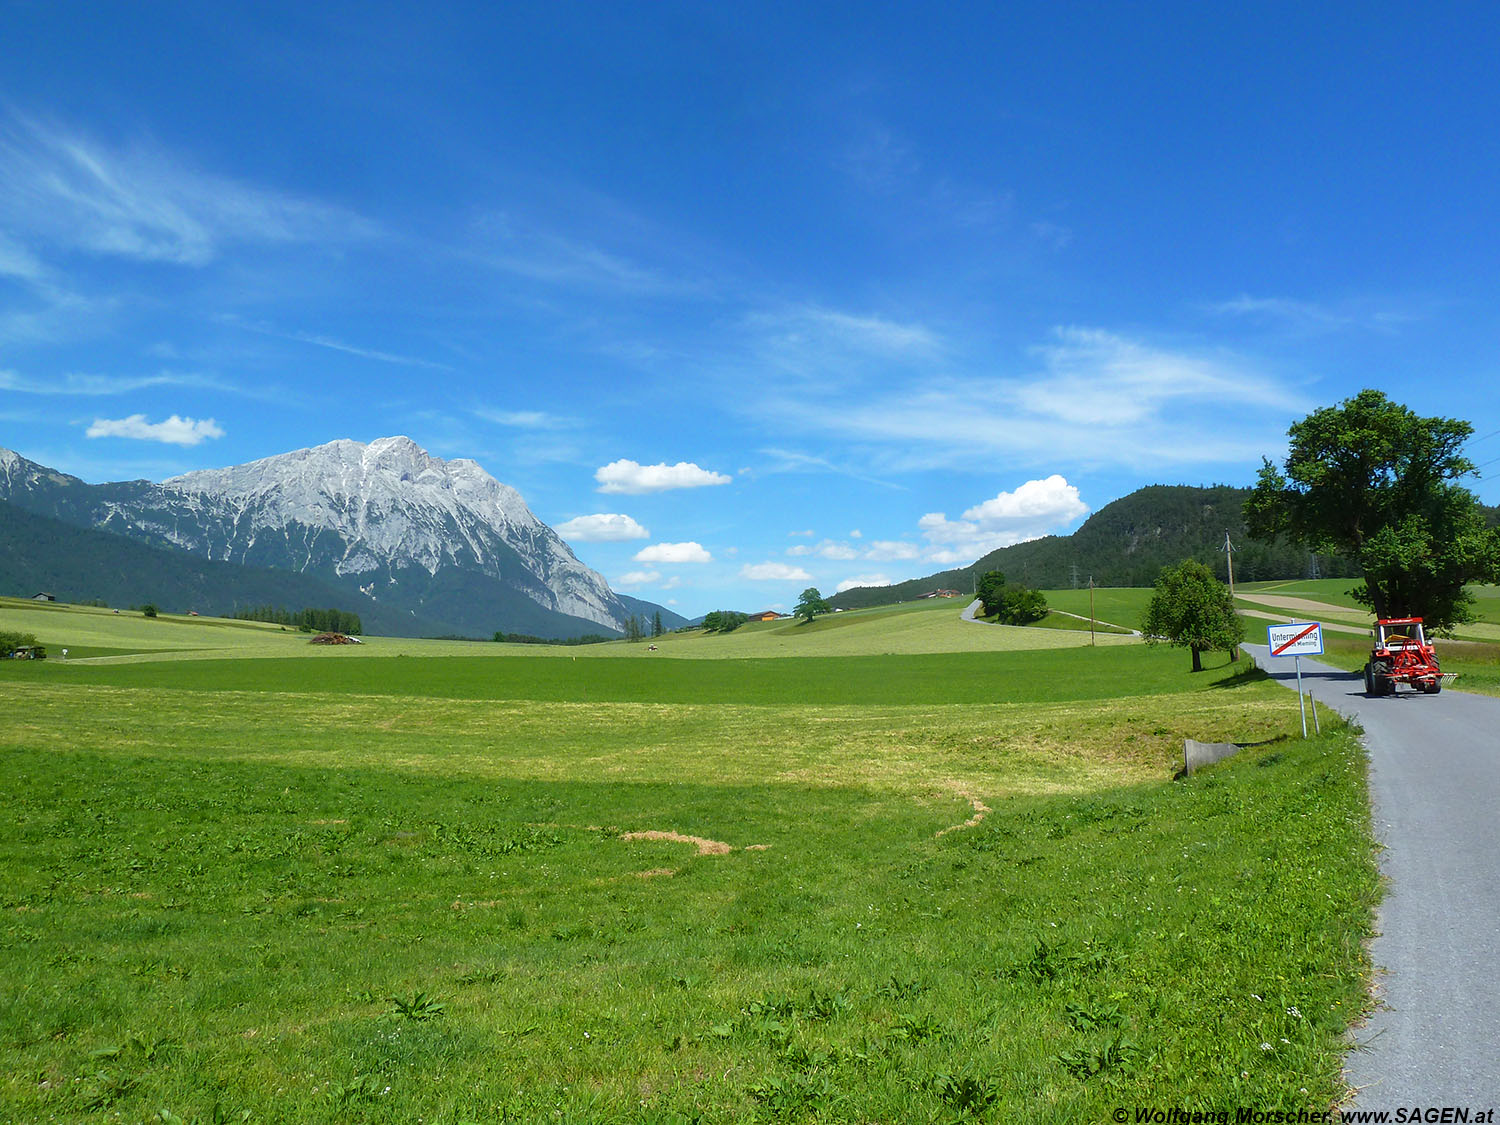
948,886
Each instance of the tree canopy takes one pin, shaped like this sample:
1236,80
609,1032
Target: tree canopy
1009,602
1192,609
810,604
1372,479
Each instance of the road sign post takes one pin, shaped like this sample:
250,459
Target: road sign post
1297,639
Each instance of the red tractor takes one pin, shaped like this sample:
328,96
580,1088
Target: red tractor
1401,655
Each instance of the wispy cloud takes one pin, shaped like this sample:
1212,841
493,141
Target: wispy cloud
525,419
791,461
828,343
143,203
827,549
18,262
173,431
102,385
774,572
1098,398
332,344
632,478
1312,317
885,164
878,159
1052,234
529,249
637,578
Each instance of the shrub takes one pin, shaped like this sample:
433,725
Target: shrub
9,642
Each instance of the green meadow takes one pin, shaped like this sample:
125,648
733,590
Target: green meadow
889,867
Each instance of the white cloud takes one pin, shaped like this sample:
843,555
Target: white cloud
637,578
863,580
632,478
892,550
856,534
606,527
774,572
174,431
673,553
524,419
140,203
808,534
827,549
1034,509
1046,502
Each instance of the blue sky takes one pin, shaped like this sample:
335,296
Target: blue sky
747,298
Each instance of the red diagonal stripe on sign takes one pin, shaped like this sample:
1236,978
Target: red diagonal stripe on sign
1294,640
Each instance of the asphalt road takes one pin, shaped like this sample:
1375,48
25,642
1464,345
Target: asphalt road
1435,790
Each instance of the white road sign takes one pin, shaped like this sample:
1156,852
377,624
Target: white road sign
1300,638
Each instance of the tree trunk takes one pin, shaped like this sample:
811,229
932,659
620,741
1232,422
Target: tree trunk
1197,659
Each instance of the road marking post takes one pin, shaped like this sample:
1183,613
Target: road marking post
1294,639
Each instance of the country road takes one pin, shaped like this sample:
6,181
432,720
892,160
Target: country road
1435,790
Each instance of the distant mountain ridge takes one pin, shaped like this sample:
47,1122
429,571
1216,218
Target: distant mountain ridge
384,523
1126,543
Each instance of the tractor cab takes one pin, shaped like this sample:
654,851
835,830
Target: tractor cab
1399,632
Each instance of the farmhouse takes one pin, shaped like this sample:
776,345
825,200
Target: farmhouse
767,615
42,597
942,594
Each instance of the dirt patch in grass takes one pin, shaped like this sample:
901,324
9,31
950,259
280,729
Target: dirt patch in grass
980,811
704,846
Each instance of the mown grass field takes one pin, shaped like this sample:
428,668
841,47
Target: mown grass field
943,886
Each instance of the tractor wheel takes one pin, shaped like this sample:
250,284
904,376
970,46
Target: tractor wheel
1380,675
1436,686
1369,680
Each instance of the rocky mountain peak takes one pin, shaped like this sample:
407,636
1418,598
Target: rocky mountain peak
385,517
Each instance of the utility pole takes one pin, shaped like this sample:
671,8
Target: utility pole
1234,652
1091,610
1075,575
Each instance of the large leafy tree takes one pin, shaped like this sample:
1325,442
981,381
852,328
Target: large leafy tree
810,604
990,589
1373,480
1192,609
